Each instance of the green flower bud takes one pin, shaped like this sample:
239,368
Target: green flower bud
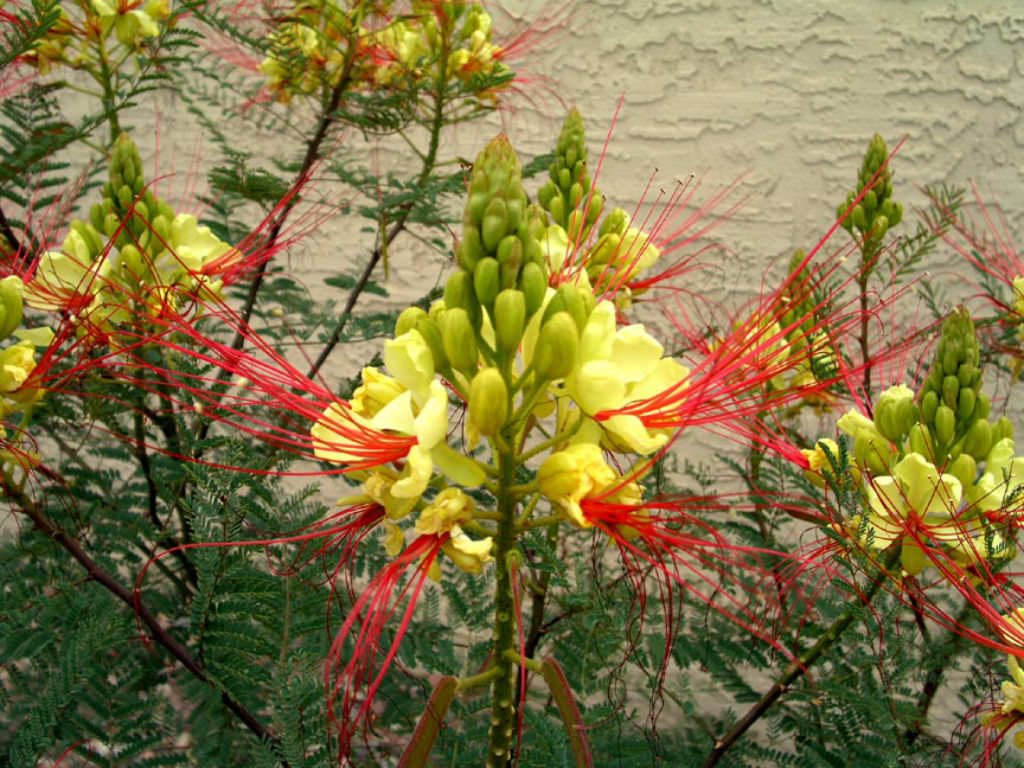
131,260
470,249
459,341
408,319
458,291
869,201
879,227
920,440
488,401
494,225
431,334
895,413
11,295
978,440
964,468
858,218
945,425
557,210
983,407
534,284
965,407
509,319
1001,430
555,354
486,281
615,222
950,389
96,214
568,298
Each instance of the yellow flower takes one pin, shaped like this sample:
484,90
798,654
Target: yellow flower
442,516
616,368
16,363
915,491
569,476
376,392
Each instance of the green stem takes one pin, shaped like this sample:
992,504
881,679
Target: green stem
503,699
798,668
109,92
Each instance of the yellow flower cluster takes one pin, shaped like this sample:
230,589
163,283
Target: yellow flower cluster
322,41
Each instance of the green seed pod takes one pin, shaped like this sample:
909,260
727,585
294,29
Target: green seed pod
978,440
486,281
459,341
945,425
965,374
555,354
408,319
534,285
111,224
488,401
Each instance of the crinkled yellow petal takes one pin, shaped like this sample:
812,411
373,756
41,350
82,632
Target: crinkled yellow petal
418,469
630,432
636,353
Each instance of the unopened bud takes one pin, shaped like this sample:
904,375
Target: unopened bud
895,413
459,341
555,354
509,319
486,279
534,284
488,401
408,319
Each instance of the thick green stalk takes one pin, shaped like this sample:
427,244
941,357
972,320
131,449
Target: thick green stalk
503,698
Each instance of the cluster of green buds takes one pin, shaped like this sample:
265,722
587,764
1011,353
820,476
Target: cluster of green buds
566,194
953,407
550,381
80,38
936,464
322,40
132,249
569,208
877,211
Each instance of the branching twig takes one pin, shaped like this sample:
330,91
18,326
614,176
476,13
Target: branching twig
161,635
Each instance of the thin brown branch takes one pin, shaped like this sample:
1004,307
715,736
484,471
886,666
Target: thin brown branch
161,635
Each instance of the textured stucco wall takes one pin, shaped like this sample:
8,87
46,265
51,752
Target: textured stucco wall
788,94
784,95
